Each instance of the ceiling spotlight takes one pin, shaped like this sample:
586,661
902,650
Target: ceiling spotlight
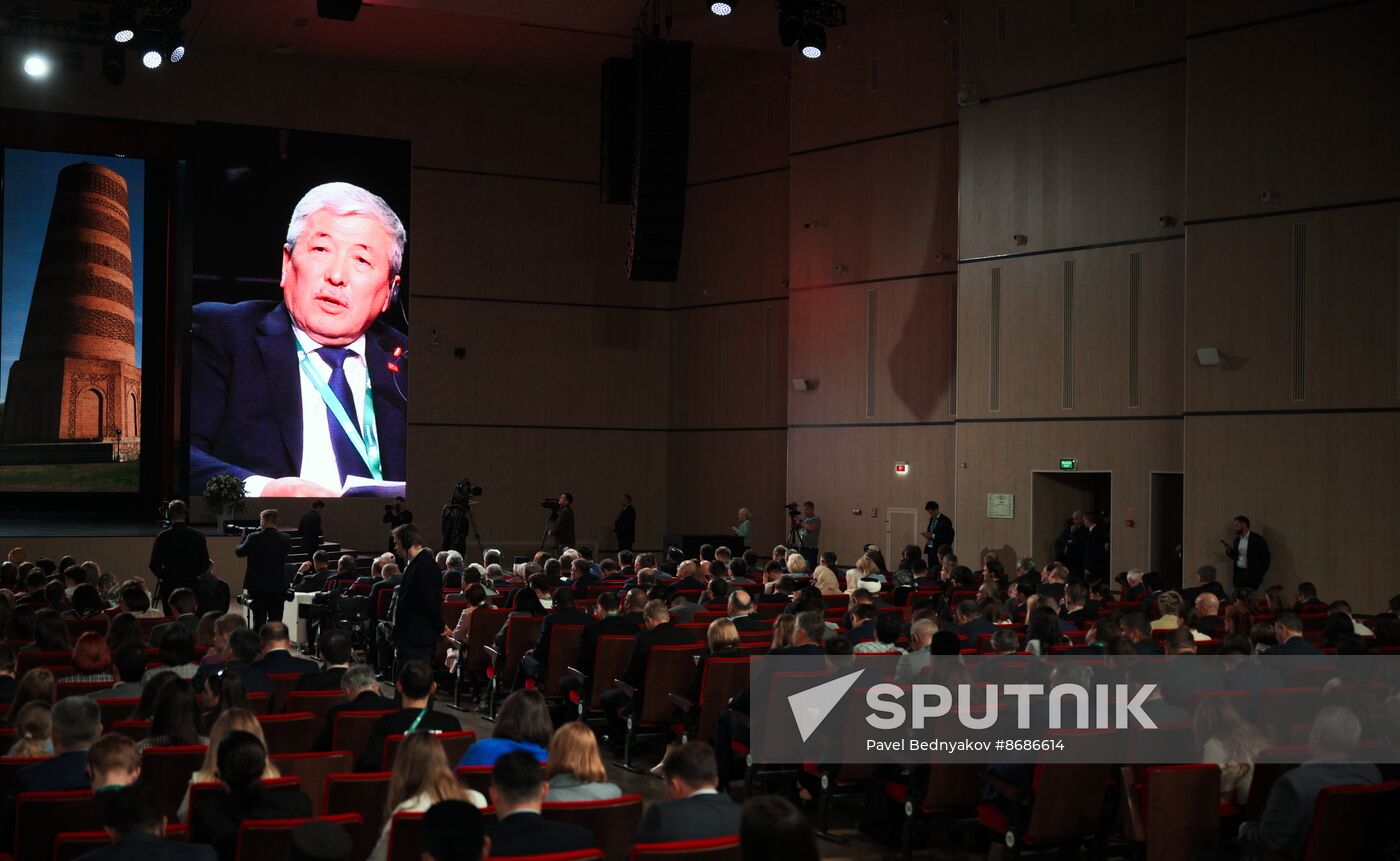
124,35
114,65
790,17
812,41
123,29
37,66
175,46
151,59
721,8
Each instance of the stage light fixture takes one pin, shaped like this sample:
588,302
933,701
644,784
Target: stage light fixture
123,25
175,46
37,65
812,41
124,35
790,17
114,65
151,59
721,8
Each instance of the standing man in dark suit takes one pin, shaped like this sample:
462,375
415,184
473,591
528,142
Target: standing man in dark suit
418,613
396,515
297,396
561,522
625,527
518,791
938,534
266,549
1095,564
309,529
698,810
1250,553
179,554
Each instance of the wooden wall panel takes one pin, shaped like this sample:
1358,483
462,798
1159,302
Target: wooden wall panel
892,68
1289,473
913,355
1098,162
845,468
1001,456
1052,42
729,366
1315,134
713,474
735,244
1205,15
1244,271
882,209
507,238
738,112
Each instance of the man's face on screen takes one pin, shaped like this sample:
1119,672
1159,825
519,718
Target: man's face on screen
336,280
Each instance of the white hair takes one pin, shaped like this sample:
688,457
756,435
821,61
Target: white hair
744,512
342,198
454,558
1135,575
441,558
1334,730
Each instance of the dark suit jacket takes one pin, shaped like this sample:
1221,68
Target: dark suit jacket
742,701
310,526
64,772
608,626
380,586
368,701
266,551
144,847
666,634
7,689
941,528
751,622
976,628
396,723
321,680
418,619
283,662
1258,558
245,410
188,621
213,594
1294,646
625,527
179,554
1095,556
695,818
215,821
1283,826
563,528
312,581
527,833
570,616
254,679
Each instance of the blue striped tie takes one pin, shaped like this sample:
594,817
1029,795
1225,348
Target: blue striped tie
347,457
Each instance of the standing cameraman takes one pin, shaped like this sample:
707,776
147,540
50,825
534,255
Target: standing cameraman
561,522
266,580
179,555
809,530
396,515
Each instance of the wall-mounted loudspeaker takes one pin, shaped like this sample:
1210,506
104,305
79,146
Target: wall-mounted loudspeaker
659,159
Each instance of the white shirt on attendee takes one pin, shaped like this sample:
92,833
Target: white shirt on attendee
1243,559
417,804
318,462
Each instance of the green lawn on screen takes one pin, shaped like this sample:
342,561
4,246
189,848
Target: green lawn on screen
81,477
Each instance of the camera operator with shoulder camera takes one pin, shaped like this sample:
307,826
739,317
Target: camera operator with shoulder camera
809,530
396,515
561,520
266,581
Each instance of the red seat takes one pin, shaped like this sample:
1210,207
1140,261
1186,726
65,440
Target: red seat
577,855
1352,821
1173,811
60,663
289,733
315,770
563,652
319,703
282,684
454,743
260,702
71,845
79,689
38,816
116,709
366,794
352,729
613,821
261,840
202,790
167,771
476,777
713,849
136,730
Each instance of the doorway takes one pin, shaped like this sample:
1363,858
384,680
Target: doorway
1055,496
1166,528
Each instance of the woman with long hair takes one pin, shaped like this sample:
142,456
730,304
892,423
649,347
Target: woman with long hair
124,631
233,720
175,719
150,689
523,724
50,634
422,777
36,685
93,571
575,769
783,628
204,632
33,731
177,653
92,660
1237,619
1043,631
224,692
1229,741
242,759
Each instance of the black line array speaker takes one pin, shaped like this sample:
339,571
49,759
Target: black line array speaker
619,130
661,146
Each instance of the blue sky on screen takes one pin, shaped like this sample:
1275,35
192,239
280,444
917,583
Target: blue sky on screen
29,180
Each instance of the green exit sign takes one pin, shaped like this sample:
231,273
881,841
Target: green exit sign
1068,463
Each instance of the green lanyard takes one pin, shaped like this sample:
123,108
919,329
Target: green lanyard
366,443
416,721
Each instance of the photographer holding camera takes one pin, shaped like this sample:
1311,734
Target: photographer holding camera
561,520
396,515
266,581
809,530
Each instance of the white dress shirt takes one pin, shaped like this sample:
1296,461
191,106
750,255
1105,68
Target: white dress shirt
317,456
1243,559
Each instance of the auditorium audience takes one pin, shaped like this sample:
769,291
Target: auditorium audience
183,603
574,768
124,631
523,723
50,634
242,759
231,720
224,627
133,818
33,731
134,599
84,603
617,703
276,657
454,831
177,654
518,792
887,633
36,685
336,655
1231,742
697,809
421,778
8,682
76,723
416,688
175,718
474,596
361,695
1288,634
91,660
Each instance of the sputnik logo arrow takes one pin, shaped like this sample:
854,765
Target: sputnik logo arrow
810,707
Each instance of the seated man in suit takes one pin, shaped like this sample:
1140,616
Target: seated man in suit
1208,618
518,791
562,612
1288,631
610,623
971,623
132,817
416,689
1283,826
335,654
184,602
660,631
311,575
76,723
361,695
698,810
742,613
216,818
277,658
454,831
1138,633
301,397
242,650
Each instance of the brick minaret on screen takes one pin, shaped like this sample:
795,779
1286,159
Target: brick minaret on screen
76,378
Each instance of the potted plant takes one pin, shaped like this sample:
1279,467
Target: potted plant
224,495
